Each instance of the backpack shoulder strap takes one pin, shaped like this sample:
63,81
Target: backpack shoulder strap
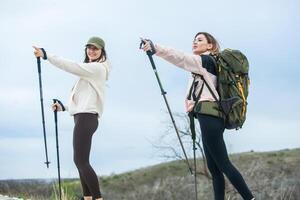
192,88
210,90
201,89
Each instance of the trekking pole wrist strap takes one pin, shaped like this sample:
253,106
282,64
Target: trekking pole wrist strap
44,54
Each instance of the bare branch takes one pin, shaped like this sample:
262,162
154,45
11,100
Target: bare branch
167,144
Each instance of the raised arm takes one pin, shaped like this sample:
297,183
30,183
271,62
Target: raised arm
189,62
79,69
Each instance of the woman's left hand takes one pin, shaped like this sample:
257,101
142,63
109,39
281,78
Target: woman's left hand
38,52
148,46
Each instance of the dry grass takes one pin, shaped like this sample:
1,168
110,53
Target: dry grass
271,176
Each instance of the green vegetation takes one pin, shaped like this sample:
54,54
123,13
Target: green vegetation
272,175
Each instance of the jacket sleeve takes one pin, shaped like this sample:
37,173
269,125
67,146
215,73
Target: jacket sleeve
78,69
189,62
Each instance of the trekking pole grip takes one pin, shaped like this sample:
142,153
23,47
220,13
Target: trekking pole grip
60,103
55,111
149,52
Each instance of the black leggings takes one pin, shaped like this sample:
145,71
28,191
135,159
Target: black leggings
212,129
85,126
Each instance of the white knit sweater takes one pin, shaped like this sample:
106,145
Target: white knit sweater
87,95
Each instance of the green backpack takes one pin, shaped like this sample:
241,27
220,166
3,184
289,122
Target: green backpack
233,84
232,87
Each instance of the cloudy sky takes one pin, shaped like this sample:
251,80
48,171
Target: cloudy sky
266,31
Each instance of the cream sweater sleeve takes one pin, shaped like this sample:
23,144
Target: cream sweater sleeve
78,69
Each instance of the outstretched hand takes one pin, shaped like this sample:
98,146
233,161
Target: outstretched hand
148,46
38,52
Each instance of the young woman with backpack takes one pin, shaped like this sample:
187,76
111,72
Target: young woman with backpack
212,126
85,105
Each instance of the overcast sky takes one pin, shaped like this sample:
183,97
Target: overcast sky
266,31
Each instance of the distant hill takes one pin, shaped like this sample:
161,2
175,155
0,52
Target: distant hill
270,175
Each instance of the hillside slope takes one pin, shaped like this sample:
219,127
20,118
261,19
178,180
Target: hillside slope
270,175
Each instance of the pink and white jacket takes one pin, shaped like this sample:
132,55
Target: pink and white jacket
191,63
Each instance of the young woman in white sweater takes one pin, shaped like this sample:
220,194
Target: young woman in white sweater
85,105
212,127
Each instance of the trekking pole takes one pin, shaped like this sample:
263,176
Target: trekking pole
57,147
192,125
150,53
42,108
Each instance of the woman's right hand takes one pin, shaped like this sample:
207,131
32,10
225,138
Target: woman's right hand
38,52
56,106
